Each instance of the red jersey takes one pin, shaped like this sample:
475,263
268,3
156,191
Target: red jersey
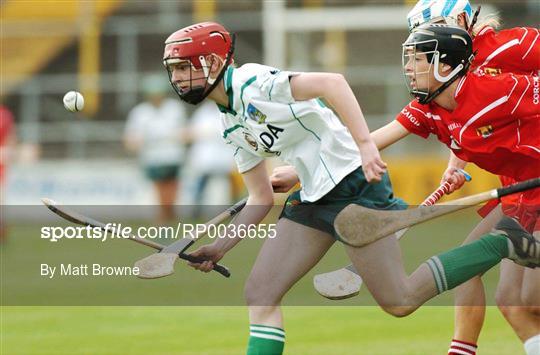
495,124
515,50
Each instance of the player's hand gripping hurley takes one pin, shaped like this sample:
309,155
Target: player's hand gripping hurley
162,263
152,266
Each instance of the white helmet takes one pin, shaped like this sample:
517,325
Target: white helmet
433,11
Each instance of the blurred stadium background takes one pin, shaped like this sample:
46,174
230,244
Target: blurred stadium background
104,48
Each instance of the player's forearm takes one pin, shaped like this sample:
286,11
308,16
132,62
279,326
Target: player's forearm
455,162
259,203
248,218
389,134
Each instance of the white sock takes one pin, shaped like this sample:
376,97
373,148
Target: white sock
532,345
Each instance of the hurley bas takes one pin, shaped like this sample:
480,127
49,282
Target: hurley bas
87,270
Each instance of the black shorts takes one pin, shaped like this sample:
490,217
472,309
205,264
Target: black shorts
352,189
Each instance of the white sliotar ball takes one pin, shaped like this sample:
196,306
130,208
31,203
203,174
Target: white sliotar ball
73,101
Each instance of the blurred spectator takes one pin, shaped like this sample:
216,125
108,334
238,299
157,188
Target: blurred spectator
209,157
155,130
7,141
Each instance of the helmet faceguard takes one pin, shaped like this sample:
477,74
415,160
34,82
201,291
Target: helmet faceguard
410,54
439,11
440,44
200,47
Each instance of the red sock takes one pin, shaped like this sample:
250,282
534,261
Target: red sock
458,347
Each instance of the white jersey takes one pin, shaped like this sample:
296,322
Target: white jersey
264,120
159,128
208,153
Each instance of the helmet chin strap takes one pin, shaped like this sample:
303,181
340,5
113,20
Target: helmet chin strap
425,99
445,80
438,76
206,70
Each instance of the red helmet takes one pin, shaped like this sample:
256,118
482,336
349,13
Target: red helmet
194,43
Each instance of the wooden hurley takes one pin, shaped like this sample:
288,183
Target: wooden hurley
358,226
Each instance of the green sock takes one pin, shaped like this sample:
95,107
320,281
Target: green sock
265,340
458,265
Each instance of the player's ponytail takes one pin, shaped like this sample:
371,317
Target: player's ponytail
491,20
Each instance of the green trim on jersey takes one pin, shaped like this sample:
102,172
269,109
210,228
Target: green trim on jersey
320,102
227,83
231,129
246,84
228,78
328,171
236,151
319,138
307,129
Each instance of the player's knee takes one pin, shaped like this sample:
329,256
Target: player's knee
509,304
257,294
506,298
398,311
251,294
509,312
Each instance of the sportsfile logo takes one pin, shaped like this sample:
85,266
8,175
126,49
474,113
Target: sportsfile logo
181,230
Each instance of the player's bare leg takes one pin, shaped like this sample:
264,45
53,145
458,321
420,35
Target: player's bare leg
166,191
523,319
282,261
530,293
508,299
469,314
381,267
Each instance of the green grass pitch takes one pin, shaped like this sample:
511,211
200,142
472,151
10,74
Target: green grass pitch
224,330
200,325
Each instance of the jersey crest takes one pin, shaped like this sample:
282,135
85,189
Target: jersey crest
251,141
255,114
485,131
492,71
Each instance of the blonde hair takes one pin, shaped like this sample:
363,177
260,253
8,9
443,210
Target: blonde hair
490,20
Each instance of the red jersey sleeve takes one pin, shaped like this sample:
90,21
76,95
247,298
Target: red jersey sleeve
515,50
413,118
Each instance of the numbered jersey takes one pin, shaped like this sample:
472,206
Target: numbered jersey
264,120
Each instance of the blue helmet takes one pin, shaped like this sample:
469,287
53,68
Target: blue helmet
444,11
